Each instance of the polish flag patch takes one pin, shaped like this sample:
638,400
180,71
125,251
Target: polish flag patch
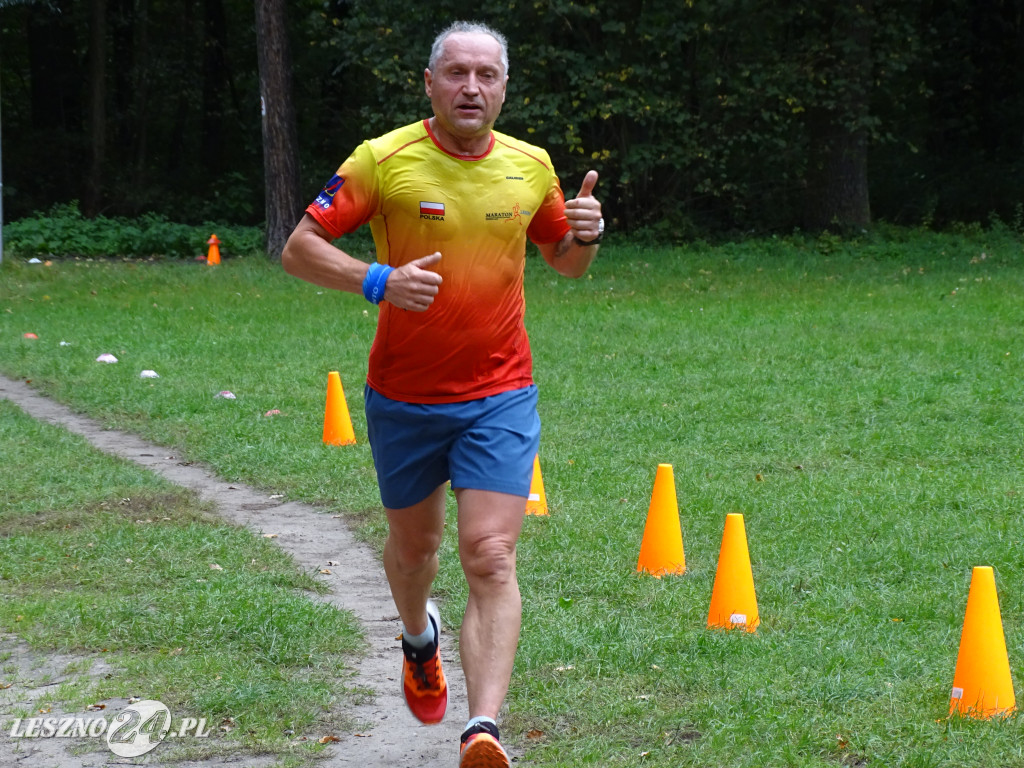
431,209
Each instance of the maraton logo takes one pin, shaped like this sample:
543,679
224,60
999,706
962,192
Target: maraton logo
513,215
132,732
326,196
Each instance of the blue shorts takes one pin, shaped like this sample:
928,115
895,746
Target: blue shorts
487,444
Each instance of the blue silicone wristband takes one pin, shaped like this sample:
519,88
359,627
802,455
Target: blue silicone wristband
375,281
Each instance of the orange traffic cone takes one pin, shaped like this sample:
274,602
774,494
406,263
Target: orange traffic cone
661,551
981,684
337,422
733,603
213,255
537,503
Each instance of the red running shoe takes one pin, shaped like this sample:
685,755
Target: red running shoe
482,750
423,683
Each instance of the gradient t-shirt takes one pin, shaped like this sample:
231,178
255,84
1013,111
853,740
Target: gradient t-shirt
477,212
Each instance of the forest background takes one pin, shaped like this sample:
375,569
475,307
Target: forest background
705,118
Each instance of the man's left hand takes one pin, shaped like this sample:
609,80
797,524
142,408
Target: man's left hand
584,212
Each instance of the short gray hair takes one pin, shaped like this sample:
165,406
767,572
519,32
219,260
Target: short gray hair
471,28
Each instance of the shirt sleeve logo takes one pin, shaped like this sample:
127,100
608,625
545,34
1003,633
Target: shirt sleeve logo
434,211
326,196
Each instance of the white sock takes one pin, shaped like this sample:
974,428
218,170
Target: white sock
477,720
424,638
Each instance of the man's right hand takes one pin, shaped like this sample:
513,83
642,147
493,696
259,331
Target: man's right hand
413,286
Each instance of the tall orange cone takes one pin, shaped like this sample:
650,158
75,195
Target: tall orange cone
661,551
213,254
733,603
982,687
537,503
337,422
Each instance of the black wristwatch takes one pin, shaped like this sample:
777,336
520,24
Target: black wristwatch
596,240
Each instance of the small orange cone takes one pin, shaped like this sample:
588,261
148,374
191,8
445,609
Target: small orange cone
982,686
661,551
337,422
733,603
213,255
537,503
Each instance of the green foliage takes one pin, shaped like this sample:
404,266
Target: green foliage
703,116
694,113
64,231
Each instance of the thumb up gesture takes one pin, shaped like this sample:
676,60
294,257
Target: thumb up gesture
584,212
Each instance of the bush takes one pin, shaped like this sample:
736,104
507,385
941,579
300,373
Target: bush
64,231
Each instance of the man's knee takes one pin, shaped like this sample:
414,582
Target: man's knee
490,558
413,552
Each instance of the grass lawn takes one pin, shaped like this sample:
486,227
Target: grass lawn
860,403
99,556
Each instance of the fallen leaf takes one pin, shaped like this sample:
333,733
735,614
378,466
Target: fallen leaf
328,739
534,733
269,535
215,567
325,571
272,412
95,707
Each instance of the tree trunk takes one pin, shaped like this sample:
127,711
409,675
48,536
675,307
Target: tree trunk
837,170
97,107
141,77
280,155
214,80
837,174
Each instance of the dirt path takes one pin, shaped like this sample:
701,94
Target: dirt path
388,735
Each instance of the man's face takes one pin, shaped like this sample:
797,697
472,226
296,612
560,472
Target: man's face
467,86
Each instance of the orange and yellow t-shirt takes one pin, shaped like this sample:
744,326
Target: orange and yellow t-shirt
477,213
